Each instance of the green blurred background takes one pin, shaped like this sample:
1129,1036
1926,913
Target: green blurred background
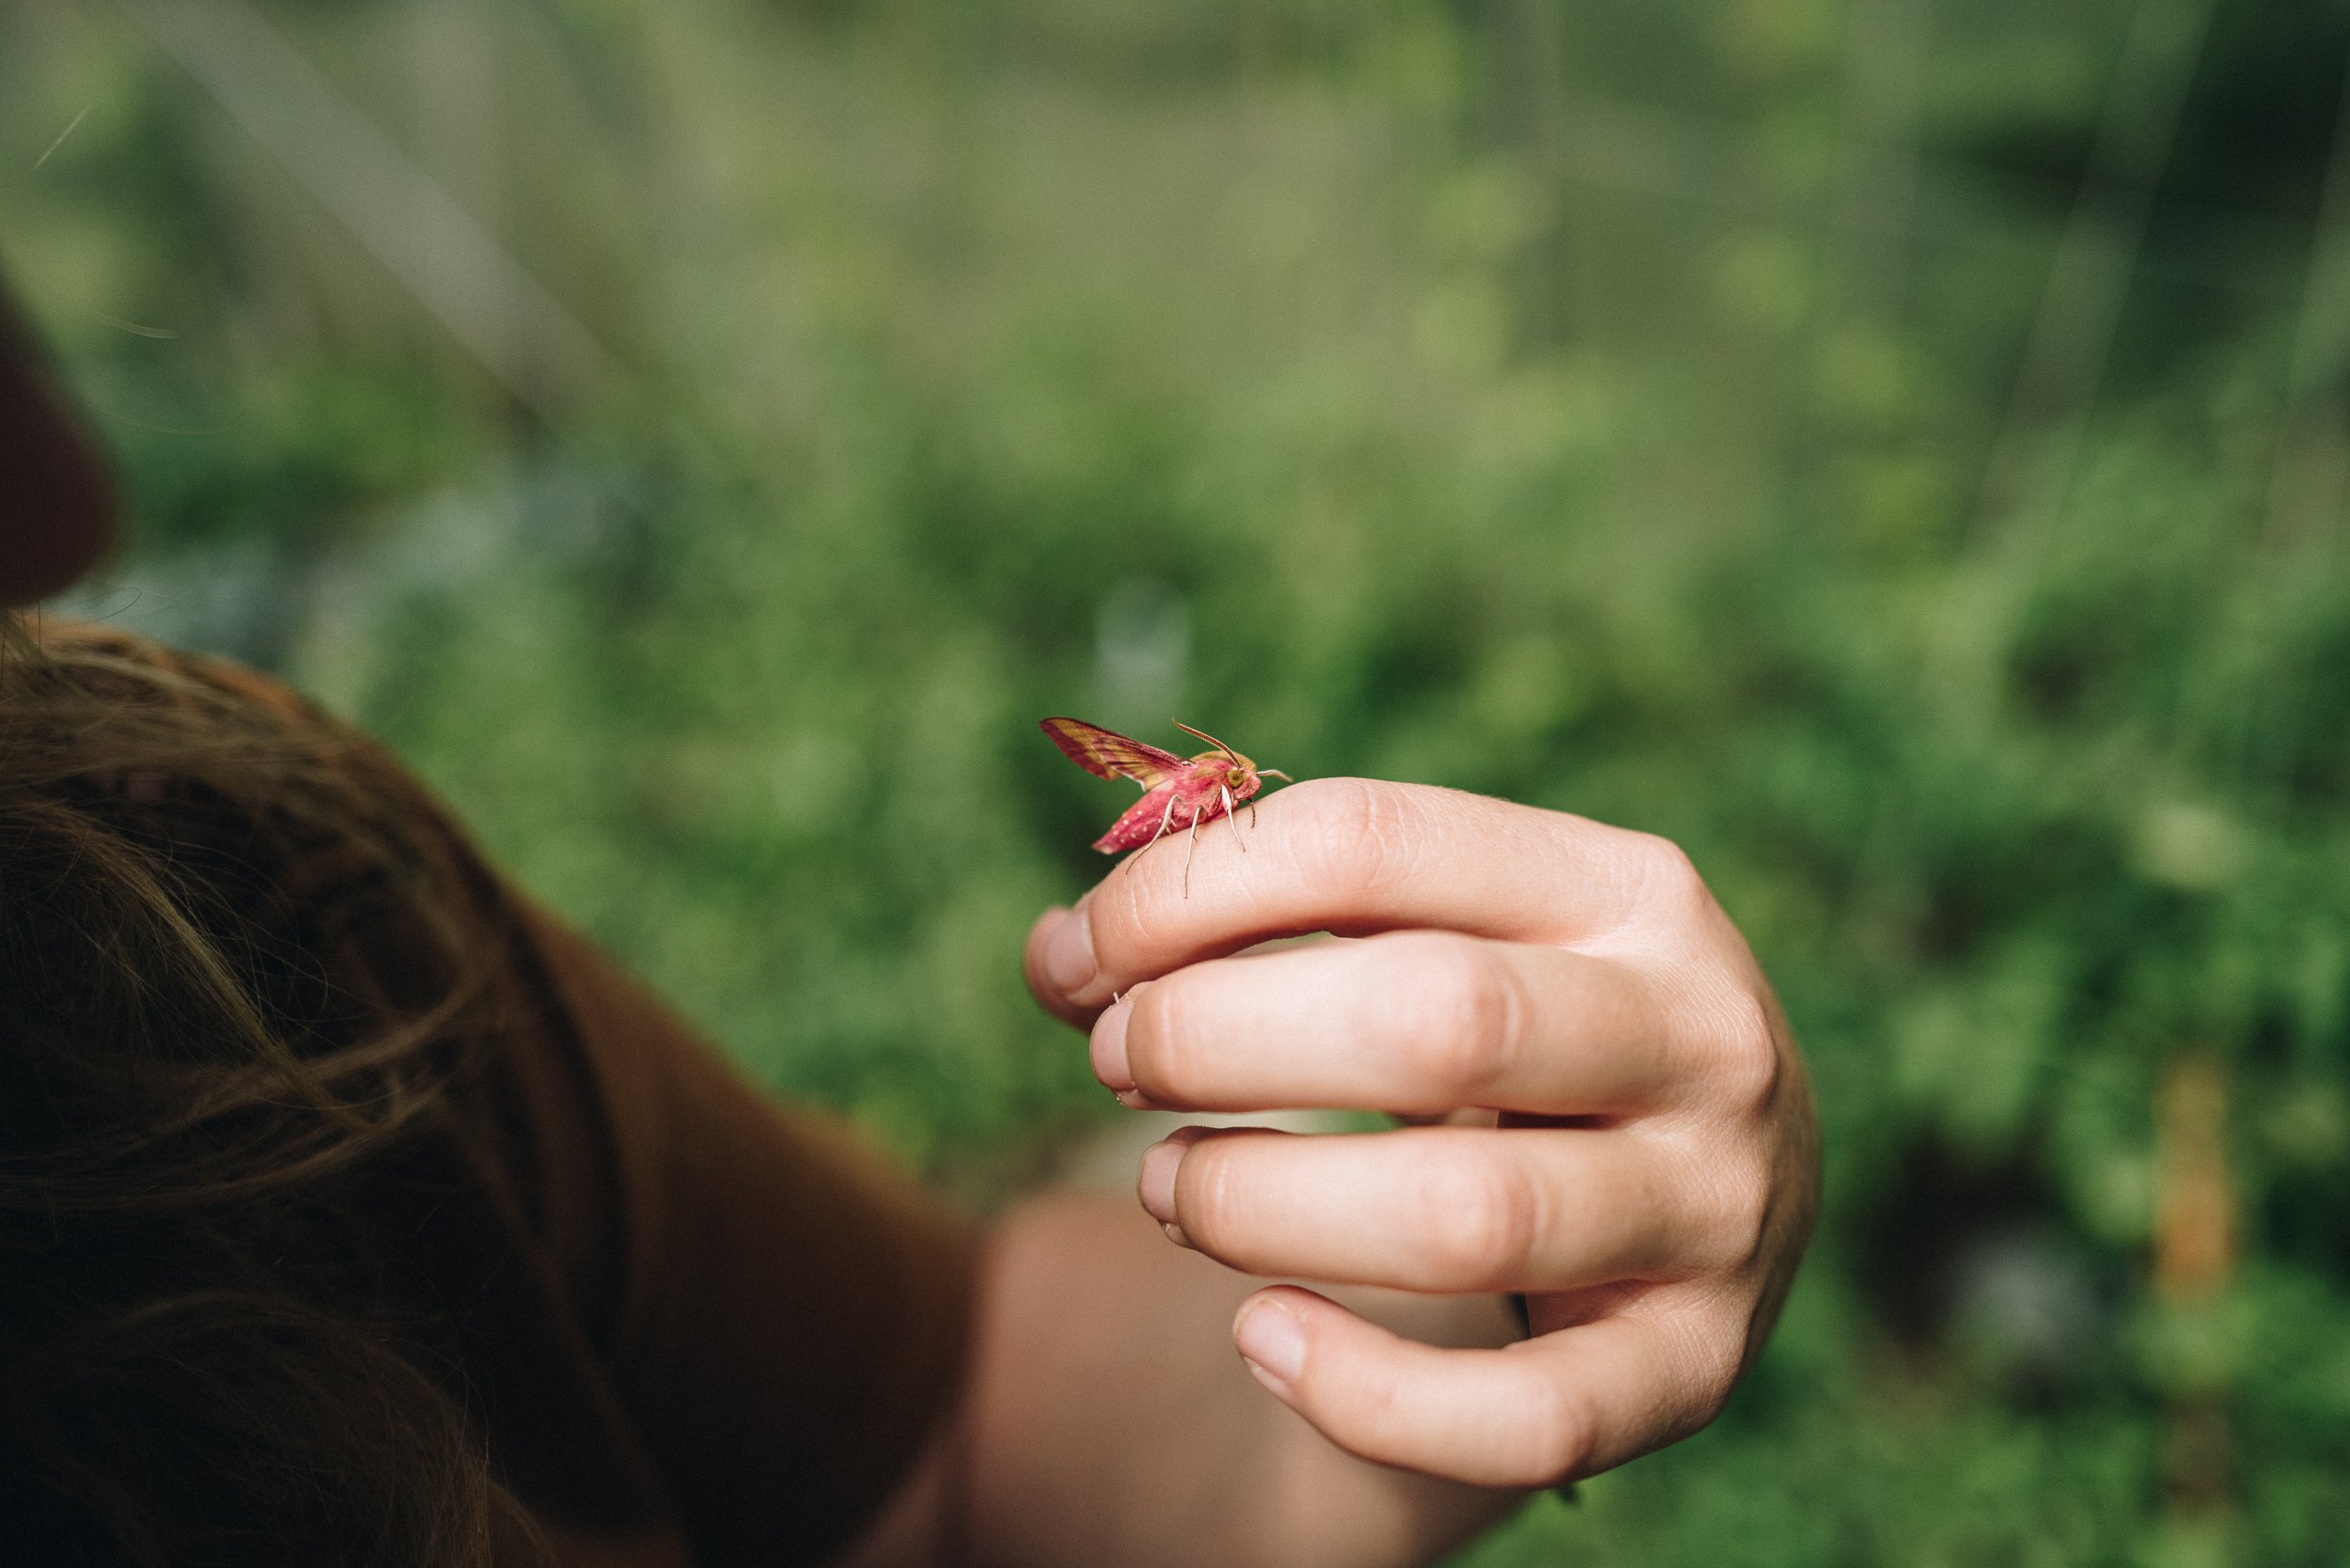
1897,449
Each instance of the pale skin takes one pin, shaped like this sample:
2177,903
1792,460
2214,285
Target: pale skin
1610,1118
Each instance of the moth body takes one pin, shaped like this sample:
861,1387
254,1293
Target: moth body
1179,793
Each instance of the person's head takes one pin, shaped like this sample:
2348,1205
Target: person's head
56,504
199,1084
188,1086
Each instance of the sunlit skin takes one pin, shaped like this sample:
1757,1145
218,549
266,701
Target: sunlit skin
1177,791
1617,1125
1609,1119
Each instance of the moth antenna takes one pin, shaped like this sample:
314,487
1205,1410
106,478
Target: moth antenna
1205,736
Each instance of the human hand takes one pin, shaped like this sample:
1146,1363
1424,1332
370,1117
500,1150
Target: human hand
1646,1176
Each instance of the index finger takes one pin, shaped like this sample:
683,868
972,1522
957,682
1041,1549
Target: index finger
1351,856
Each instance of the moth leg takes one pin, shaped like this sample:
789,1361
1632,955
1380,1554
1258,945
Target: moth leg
1191,852
1166,817
1231,812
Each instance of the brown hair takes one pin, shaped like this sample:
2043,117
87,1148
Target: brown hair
201,1361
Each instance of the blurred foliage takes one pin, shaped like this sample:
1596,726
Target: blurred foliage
1897,451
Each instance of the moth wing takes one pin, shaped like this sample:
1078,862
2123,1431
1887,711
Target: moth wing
1107,754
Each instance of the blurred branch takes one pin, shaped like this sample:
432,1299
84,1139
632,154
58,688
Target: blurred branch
455,268
1878,188
2195,1205
2195,1250
1638,149
2064,358
71,126
1539,85
2310,470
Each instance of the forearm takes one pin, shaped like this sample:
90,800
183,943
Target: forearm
1109,1420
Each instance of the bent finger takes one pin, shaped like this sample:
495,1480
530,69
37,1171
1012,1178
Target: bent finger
1557,1408
1416,1023
1439,1209
1353,857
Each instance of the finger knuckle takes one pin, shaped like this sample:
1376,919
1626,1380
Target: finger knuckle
1744,1046
1668,879
1209,1195
1718,1376
1164,1040
1371,1399
1483,1219
1460,1012
1737,1208
1348,836
1747,1209
1566,1437
1710,1350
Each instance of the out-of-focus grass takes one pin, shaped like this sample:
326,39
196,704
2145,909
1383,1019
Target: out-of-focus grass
1590,407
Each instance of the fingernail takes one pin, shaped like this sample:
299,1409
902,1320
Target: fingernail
1156,1183
1272,1342
1069,953
1109,1047
1175,1234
